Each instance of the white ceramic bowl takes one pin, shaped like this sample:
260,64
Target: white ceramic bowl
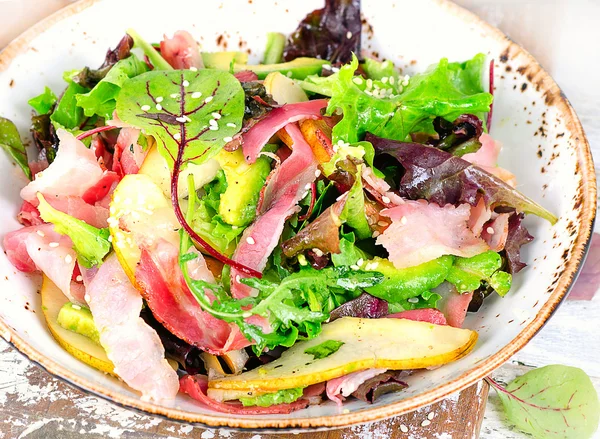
544,145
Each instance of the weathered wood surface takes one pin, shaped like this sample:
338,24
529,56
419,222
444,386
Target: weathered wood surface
35,405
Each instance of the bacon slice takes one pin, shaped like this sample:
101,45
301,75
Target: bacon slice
40,248
429,315
173,304
340,388
73,171
133,347
421,232
259,134
286,186
181,51
196,386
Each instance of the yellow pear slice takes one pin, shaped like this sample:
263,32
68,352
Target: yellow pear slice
75,344
395,344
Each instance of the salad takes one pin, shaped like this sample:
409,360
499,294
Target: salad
264,237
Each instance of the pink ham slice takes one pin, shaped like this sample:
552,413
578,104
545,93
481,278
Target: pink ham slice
173,304
258,135
286,186
74,170
99,194
429,315
480,215
197,385
134,347
181,51
40,248
487,157
421,232
129,155
96,216
379,189
453,305
495,232
339,388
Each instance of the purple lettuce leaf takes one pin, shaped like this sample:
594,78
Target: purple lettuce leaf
364,306
381,384
517,236
440,177
331,33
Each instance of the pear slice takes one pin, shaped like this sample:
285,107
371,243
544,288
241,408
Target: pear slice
395,344
75,344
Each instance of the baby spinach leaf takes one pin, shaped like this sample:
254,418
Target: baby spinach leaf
101,100
552,402
91,244
191,114
44,102
10,141
446,90
324,349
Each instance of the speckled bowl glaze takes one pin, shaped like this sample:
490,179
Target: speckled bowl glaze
544,145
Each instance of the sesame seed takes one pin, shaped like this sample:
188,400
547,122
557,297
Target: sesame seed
490,230
318,252
413,300
160,99
177,136
79,278
376,234
53,245
382,223
77,307
392,80
307,186
208,99
369,83
289,74
39,232
213,128
145,107
216,115
430,416
194,69
180,119
187,119
348,34
317,173
174,95
326,67
250,240
357,80
385,199
403,220
110,238
185,83
368,92
335,148
231,125
213,123
403,428
360,261
196,95
158,107
68,259
227,139
87,298
425,423
120,244
237,278
335,69
354,267
346,411
384,79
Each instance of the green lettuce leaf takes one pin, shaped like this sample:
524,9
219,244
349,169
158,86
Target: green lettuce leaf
552,402
349,253
102,99
376,71
446,89
467,273
353,213
10,141
207,222
67,114
90,243
427,299
44,102
286,396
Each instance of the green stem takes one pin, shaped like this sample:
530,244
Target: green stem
155,58
274,49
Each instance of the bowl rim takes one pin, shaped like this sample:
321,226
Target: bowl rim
544,83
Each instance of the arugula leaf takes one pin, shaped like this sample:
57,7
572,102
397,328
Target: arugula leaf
10,141
44,102
285,396
467,273
207,222
552,402
198,95
324,349
447,90
90,243
67,114
101,100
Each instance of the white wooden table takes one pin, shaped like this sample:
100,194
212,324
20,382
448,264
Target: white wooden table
562,35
